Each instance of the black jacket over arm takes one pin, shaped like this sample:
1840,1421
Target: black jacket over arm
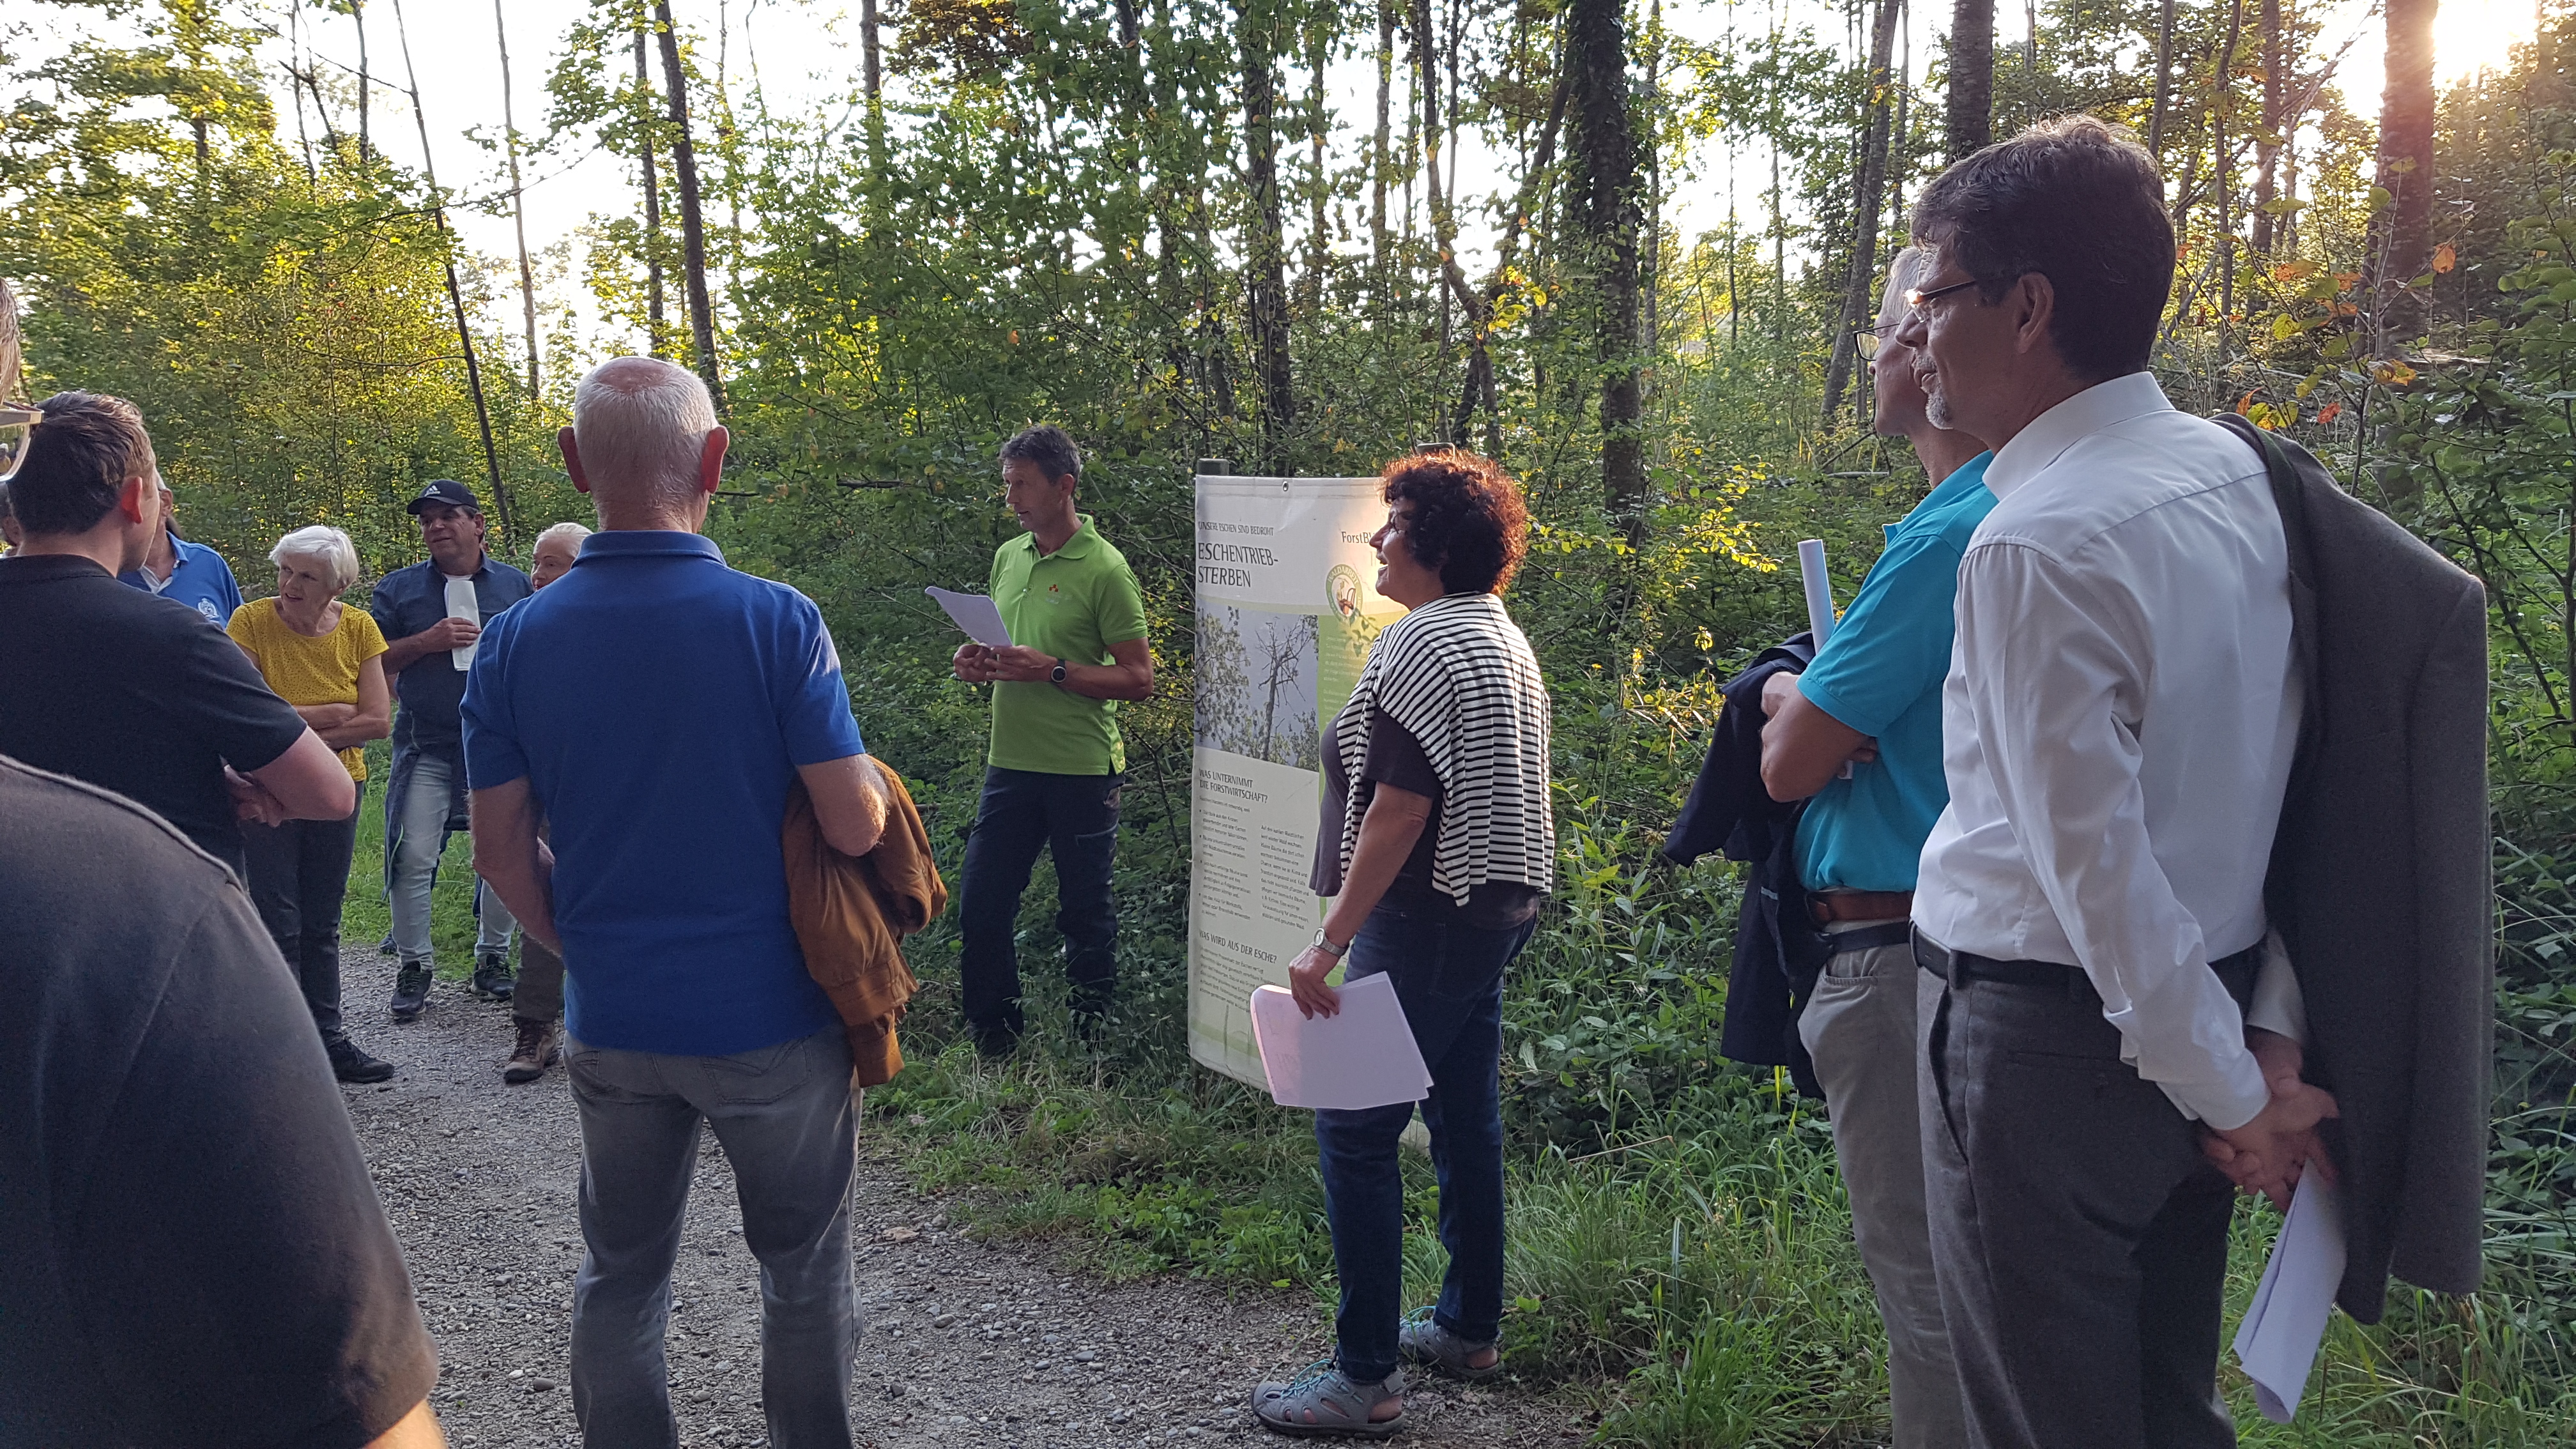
1777,952
2381,877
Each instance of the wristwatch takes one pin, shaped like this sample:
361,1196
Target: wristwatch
1324,944
1056,675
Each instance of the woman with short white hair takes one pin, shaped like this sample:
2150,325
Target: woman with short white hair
324,658
556,551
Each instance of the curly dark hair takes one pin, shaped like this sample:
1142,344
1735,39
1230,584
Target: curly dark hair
1468,518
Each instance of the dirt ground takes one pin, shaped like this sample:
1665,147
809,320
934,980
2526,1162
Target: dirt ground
966,1343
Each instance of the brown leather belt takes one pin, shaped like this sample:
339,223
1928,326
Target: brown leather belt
1829,907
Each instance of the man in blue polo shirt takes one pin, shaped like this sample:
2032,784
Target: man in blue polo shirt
1872,699
430,631
654,706
186,573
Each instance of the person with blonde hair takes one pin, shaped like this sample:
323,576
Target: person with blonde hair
327,660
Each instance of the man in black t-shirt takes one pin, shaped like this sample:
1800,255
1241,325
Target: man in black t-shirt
191,1250
128,691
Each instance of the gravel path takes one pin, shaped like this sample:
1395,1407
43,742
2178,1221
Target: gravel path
967,1343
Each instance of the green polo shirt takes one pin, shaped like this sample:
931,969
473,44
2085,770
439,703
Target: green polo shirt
1073,603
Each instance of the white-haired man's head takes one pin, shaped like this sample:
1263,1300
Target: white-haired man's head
643,439
557,550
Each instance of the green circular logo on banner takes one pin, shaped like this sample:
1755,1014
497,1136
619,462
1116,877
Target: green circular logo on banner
1342,591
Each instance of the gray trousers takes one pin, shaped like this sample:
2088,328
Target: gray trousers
783,1115
2080,1236
1860,1027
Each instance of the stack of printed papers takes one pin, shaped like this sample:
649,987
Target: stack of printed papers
2277,1342
1363,1057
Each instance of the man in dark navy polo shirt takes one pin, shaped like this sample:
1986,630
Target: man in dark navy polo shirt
430,627
655,707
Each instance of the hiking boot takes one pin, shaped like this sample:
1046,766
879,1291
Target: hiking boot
411,990
350,1063
492,978
995,1042
535,1052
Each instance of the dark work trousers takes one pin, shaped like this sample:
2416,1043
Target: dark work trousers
299,874
1449,978
2079,1235
1022,812
538,997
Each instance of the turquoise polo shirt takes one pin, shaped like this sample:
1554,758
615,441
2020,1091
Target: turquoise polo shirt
659,704
1881,674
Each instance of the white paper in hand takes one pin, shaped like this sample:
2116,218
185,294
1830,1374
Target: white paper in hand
461,604
977,614
2277,1342
1363,1057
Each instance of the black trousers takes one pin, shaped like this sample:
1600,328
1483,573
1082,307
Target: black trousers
2079,1235
1022,812
299,874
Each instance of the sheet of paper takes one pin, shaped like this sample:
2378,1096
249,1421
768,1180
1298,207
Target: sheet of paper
2277,1342
1363,1057
977,614
461,604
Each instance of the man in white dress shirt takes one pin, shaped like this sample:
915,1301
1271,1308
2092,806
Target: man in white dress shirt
2119,722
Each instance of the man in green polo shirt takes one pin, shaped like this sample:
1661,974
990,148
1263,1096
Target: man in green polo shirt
1077,622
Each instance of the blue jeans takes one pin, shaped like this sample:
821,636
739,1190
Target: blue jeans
1023,812
1450,979
420,815
784,1117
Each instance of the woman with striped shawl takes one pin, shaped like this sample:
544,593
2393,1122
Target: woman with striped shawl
1437,848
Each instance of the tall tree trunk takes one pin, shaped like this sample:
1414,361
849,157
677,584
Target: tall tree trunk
2164,83
1972,77
518,208
455,293
358,12
870,62
1426,54
2224,179
693,232
1266,271
2267,146
1319,238
1379,239
2401,235
654,325
1601,214
1868,193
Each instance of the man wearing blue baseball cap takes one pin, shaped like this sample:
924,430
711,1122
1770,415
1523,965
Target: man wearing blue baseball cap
431,614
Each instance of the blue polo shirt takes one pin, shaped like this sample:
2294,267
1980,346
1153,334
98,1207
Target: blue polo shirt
1881,674
659,703
430,689
200,579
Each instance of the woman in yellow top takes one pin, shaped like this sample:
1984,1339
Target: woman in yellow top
322,657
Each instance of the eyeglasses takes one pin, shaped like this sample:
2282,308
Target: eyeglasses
17,427
1915,297
1866,338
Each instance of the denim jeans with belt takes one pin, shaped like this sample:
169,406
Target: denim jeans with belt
1449,978
784,1117
1024,811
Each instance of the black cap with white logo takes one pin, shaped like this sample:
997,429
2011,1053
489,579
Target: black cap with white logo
445,491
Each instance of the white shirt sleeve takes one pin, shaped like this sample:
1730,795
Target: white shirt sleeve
2052,676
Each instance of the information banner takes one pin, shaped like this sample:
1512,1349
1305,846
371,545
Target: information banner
1287,607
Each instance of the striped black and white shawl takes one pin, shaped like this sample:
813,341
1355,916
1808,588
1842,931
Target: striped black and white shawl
1459,675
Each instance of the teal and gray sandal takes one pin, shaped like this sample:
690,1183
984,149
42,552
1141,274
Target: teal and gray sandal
1426,1343
1323,1402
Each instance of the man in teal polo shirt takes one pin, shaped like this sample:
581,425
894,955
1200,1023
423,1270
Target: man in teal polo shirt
1077,623
1872,698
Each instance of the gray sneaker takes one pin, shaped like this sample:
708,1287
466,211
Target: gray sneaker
1425,1342
411,990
